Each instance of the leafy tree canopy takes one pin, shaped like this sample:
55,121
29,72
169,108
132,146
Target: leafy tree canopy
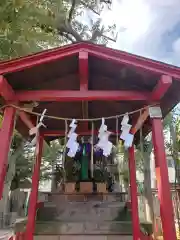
28,26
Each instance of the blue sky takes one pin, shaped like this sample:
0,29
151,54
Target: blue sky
150,28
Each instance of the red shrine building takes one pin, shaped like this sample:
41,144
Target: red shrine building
86,81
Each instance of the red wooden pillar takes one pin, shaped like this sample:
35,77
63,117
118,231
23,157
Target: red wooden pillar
133,190
164,194
6,133
34,191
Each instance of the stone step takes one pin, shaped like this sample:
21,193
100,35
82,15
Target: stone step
80,211
83,237
59,228
96,204
70,228
80,197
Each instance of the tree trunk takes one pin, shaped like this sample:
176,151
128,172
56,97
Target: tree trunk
9,178
147,189
53,181
4,205
175,155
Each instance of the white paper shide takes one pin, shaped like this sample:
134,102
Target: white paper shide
35,130
72,143
103,137
125,134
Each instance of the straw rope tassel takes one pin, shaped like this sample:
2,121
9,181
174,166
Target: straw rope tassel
92,150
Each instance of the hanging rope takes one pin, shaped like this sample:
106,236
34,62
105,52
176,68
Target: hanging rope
70,119
92,150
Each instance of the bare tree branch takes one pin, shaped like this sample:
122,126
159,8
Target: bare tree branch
109,38
89,7
72,10
68,37
106,1
74,33
68,30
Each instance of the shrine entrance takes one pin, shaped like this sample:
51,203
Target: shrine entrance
86,90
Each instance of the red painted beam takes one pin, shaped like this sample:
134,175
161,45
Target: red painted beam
83,75
26,119
128,59
37,59
133,191
163,185
62,96
108,54
30,228
161,88
139,123
83,70
145,237
6,90
8,94
5,143
60,133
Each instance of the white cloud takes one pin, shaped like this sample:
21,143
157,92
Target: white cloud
146,24
132,17
176,46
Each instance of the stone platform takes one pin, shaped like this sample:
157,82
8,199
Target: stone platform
83,237
82,214
64,215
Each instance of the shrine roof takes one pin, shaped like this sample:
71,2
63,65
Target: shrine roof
108,70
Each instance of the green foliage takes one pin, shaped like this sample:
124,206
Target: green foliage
72,170
146,228
173,146
76,30
101,175
20,27
29,26
125,174
25,160
51,156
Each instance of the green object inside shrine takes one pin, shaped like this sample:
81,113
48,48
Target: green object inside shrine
84,165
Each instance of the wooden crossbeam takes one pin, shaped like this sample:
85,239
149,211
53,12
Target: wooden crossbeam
161,88
83,70
139,123
159,91
65,96
8,94
60,133
83,76
6,90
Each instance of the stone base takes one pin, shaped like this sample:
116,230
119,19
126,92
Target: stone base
83,237
101,187
70,187
86,187
79,226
